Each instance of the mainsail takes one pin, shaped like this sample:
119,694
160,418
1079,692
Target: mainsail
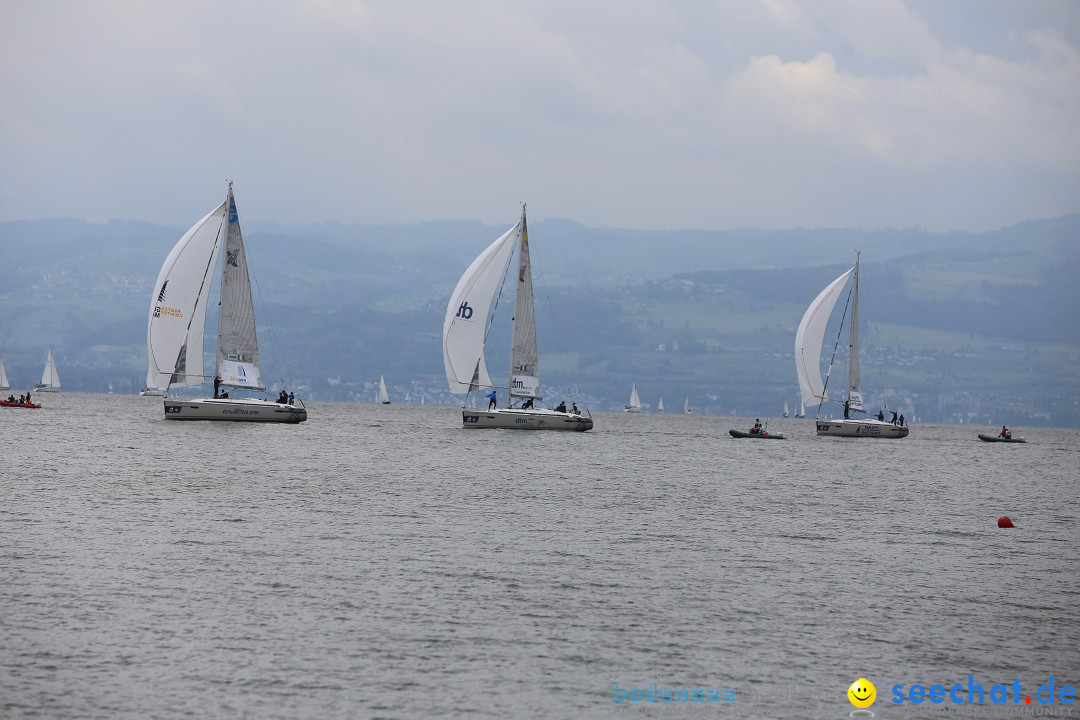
524,363
238,349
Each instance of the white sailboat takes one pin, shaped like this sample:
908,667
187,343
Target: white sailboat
174,332
50,379
4,384
384,398
465,331
808,341
785,409
635,402
660,406
802,408
686,405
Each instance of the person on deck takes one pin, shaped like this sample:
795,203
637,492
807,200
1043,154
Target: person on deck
217,384
527,404
561,407
1005,433
492,397
573,409
756,430
847,409
881,415
893,417
291,398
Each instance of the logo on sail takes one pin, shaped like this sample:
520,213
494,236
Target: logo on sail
465,312
161,295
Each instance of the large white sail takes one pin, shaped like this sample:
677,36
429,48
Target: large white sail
464,326
384,397
4,384
238,349
174,333
854,393
524,359
809,338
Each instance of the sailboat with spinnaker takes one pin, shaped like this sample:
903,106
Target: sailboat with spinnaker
174,332
466,326
808,341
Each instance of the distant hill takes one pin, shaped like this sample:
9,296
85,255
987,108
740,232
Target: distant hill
983,327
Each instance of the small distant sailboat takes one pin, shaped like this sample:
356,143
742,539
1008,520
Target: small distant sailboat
50,379
686,406
785,409
802,409
174,331
660,406
384,398
635,401
4,384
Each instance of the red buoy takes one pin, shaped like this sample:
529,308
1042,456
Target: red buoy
1005,522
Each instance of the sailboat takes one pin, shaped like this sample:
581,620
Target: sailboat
785,409
50,380
465,332
660,406
384,398
686,405
635,401
4,384
802,408
174,331
808,340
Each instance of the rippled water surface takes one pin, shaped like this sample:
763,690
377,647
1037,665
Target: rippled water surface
383,562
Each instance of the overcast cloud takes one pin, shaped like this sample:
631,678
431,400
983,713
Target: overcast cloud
633,113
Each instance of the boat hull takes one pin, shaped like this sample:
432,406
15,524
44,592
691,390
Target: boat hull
46,388
862,429
756,436
28,406
236,410
512,419
995,438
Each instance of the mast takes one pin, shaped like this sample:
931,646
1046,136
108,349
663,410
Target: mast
524,361
854,396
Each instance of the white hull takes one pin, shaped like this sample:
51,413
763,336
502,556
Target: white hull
632,409
536,419
46,388
861,429
152,392
239,409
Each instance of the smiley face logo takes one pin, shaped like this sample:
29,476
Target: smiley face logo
862,693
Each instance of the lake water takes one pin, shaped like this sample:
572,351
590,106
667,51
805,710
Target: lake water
382,562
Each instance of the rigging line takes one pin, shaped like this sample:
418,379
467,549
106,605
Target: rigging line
553,321
264,311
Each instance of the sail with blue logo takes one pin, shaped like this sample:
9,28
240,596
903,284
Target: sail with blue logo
466,323
238,348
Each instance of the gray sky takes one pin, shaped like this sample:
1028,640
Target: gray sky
958,114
